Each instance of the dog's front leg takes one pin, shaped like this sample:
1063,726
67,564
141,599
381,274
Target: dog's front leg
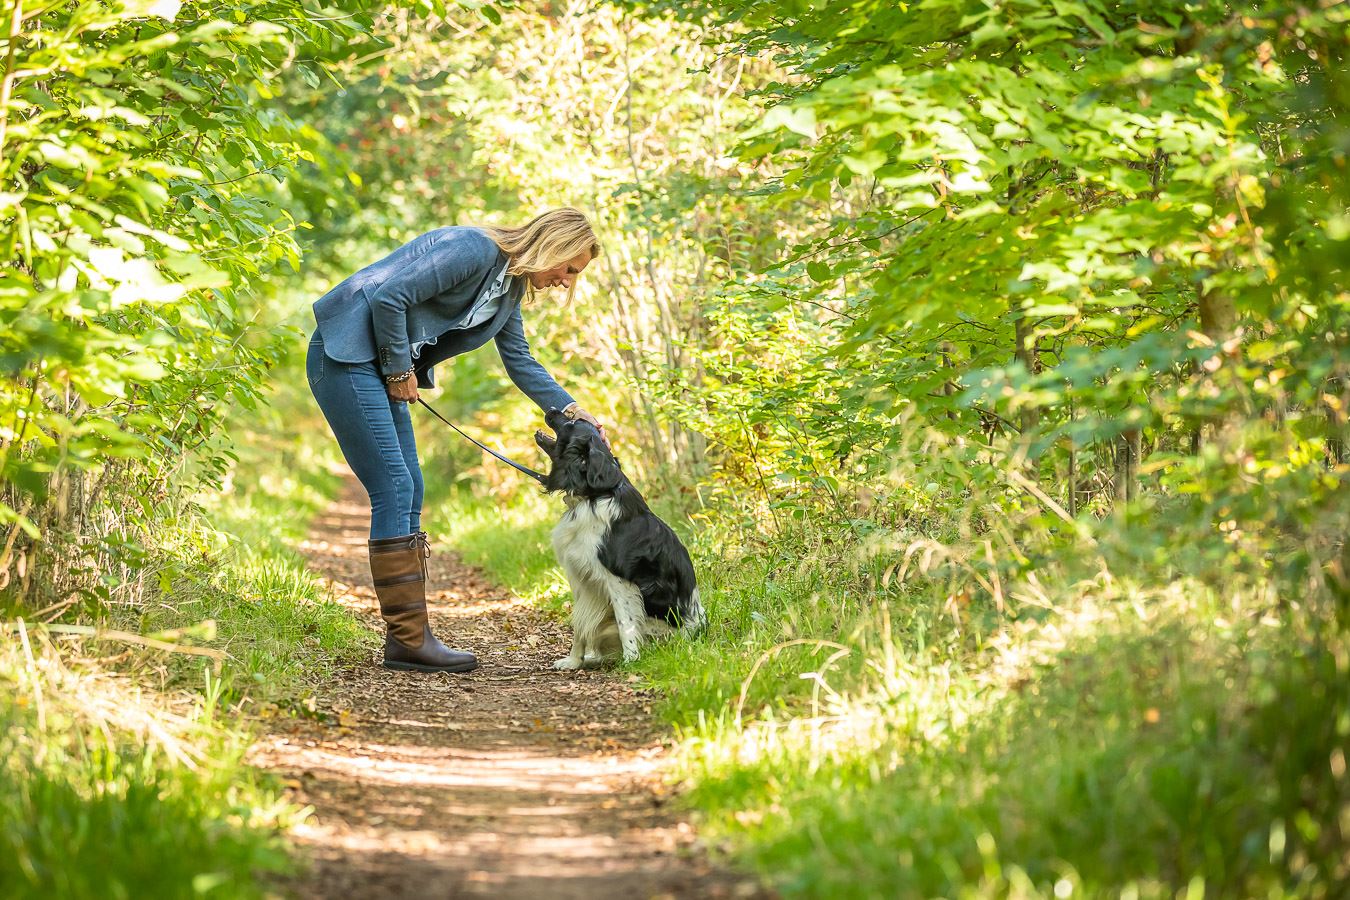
628,613
576,656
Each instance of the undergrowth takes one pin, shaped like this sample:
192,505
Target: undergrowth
851,732
123,771
108,789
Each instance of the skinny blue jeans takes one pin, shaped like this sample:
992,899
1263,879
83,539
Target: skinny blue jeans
376,436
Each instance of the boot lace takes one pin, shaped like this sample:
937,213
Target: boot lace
423,543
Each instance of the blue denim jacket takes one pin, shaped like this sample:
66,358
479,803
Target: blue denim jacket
424,291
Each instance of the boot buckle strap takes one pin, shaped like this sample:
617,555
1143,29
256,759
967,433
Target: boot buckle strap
397,608
400,579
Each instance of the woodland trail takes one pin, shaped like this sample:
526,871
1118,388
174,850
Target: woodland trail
513,781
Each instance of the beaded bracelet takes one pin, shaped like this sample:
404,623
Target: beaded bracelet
400,377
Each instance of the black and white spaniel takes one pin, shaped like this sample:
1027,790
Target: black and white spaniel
631,578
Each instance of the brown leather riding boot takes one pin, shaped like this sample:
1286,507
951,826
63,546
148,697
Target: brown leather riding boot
398,568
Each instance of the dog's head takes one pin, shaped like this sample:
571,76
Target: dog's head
582,466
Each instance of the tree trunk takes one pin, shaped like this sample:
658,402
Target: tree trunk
1218,320
1072,488
947,348
1133,443
1127,447
1025,353
1334,407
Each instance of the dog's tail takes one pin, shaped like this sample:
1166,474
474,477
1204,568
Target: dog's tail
696,618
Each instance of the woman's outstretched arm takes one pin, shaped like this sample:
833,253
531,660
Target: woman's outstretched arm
525,371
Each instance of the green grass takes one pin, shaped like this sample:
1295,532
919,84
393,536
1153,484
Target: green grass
107,790
1129,753
121,767
847,736
510,540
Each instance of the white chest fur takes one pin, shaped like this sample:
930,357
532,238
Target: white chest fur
577,538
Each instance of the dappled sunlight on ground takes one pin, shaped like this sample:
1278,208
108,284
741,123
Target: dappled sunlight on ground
511,781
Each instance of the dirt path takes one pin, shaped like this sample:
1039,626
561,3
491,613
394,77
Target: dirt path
512,781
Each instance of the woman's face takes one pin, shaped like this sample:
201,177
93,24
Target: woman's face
561,275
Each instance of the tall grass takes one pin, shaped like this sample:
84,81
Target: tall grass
1127,744
111,790
122,772
874,714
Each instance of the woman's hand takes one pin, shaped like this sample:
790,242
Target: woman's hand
576,412
404,391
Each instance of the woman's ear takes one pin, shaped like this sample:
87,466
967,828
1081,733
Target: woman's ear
602,472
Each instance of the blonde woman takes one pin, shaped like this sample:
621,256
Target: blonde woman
381,332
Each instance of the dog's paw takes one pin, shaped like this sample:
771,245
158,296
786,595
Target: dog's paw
630,656
567,664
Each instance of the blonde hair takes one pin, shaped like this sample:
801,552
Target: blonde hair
549,239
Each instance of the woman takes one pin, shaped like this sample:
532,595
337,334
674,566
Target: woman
379,334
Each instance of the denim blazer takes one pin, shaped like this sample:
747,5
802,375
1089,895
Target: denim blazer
423,291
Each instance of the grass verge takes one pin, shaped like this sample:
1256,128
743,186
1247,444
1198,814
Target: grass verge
111,790
122,769
850,737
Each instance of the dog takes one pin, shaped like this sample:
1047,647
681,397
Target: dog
631,578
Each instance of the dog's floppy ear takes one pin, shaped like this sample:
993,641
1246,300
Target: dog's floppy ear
602,471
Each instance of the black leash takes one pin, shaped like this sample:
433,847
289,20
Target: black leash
515,465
